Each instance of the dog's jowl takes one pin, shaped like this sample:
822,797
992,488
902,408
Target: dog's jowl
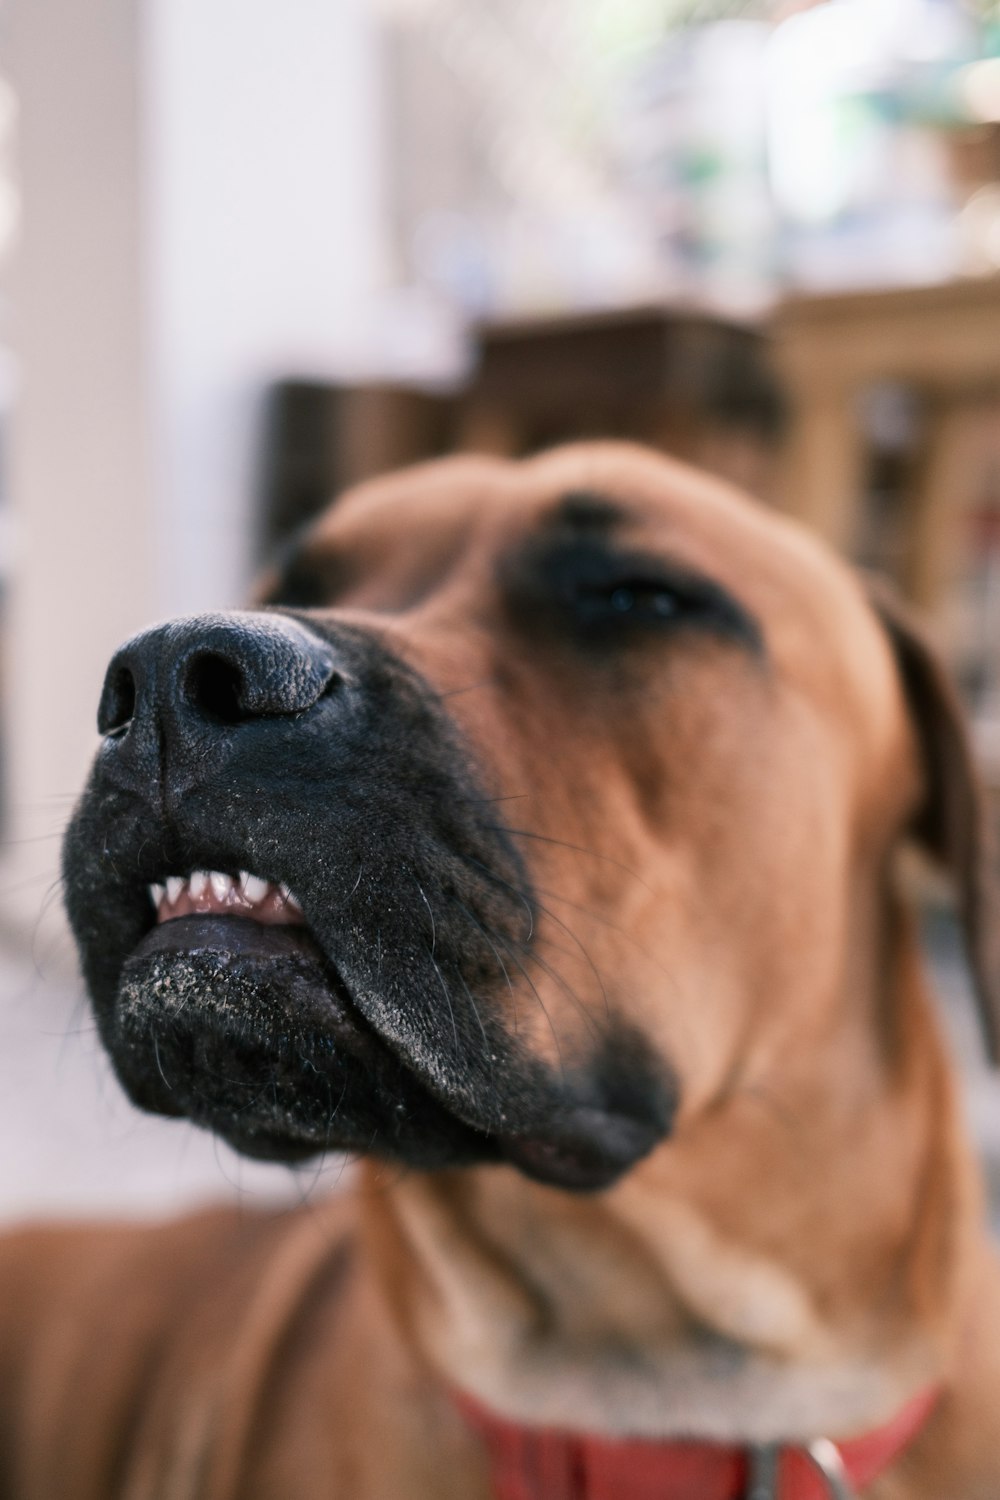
536,838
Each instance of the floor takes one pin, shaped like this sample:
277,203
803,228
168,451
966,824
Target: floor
74,1146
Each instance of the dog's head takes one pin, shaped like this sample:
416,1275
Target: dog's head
536,801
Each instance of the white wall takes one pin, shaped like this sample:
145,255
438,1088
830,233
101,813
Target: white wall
79,468
266,246
201,188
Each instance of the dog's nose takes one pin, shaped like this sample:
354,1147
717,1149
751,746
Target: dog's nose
184,677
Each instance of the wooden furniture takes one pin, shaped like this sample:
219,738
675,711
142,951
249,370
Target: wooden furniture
941,341
716,393
707,390
697,386
318,438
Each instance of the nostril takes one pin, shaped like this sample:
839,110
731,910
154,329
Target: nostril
117,706
215,687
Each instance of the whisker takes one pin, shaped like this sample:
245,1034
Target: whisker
490,934
514,889
469,687
45,906
35,838
361,871
544,838
475,1007
602,921
23,885
430,913
563,983
447,995
541,1002
490,801
496,954
159,1064
547,911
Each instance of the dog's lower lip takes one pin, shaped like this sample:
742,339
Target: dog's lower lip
248,1029
585,1149
559,1163
240,936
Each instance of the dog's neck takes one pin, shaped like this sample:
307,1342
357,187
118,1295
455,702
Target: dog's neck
698,1298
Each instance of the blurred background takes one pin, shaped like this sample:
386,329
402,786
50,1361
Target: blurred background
251,252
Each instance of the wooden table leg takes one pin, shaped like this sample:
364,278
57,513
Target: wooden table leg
823,466
943,492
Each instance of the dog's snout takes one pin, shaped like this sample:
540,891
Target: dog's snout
221,669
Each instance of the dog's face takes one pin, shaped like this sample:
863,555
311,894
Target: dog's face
571,768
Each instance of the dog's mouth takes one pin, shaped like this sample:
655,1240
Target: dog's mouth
303,926
230,1013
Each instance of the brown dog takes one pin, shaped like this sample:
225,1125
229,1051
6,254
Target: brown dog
571,795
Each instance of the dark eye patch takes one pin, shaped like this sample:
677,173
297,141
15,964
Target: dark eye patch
608,596
306,580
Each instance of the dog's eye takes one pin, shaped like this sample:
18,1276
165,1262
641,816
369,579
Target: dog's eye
605,593
637,602
607,597
629,598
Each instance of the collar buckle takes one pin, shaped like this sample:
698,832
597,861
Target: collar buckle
822,1454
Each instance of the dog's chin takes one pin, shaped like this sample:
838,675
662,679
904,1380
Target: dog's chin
248,1030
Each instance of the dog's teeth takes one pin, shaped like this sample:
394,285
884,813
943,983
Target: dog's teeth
197,881
174,887
221,884
288,898
253,888
156,894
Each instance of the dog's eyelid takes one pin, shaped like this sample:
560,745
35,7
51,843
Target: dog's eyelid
658,570
303,580
587,513
580,572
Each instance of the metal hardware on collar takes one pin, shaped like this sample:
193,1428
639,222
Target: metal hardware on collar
763,1472
822,1454
826,1459
526,1462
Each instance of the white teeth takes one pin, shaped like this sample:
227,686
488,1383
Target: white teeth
220,888
253,888
288,898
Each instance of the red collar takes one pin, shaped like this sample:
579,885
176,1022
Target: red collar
547,1464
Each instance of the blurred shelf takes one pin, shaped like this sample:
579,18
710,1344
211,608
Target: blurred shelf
943,342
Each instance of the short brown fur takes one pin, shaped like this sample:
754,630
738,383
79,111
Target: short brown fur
803,1254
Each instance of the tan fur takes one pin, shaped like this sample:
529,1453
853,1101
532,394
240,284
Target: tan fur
804,1253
